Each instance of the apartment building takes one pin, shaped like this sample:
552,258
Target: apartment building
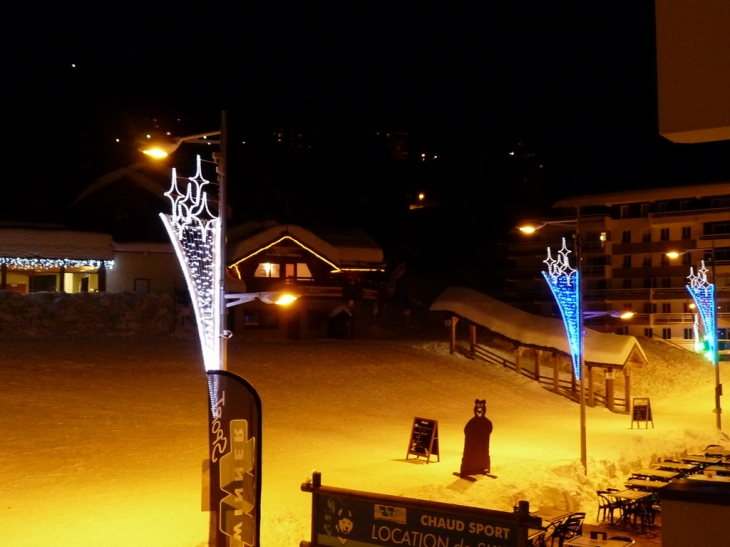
627,240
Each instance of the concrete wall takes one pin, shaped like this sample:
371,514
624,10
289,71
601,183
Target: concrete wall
154,266
85,314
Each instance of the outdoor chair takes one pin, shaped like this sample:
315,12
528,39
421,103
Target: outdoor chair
640,514
571,527
607,506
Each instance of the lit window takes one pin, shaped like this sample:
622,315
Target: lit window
267,269
303,271
299,270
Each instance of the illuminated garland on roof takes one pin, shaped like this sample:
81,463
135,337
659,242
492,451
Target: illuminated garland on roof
564,283
196,236
703,293
53,263
282,238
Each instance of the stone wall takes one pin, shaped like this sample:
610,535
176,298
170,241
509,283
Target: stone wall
84,314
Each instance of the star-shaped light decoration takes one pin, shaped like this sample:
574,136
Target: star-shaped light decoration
703,293
195,234
564,282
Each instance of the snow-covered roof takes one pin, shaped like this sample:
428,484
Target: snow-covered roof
534,330
27,243
139,173
647,195
353,245
253,243
344,248
143,247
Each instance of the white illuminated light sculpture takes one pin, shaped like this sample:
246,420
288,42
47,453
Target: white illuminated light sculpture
51,263
196,235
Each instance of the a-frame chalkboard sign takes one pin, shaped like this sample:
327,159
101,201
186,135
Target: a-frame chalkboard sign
424,440
641,412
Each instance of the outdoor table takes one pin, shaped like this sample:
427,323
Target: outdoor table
702,477
700,459
645,484
631,495
657,473
583,541
719,469
549,515
679,467
717,453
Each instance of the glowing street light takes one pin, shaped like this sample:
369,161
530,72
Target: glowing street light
198,237
279,298
704,294
160,146
565,283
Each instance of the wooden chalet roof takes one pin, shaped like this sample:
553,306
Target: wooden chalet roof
344,249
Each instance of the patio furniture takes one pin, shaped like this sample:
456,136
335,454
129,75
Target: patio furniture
623,538
571,527
607,506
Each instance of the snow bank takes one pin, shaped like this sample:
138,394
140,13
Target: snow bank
110,433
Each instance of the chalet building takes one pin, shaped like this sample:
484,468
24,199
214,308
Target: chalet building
337,275
625,240
53,259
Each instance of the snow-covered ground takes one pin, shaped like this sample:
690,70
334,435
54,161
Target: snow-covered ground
103,439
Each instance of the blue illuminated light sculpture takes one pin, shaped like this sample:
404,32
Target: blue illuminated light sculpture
564,282
703,293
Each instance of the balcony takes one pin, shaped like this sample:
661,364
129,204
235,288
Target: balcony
647,247
643,272
721,213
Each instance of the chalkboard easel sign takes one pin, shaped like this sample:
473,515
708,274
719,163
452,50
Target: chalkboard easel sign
641,412
424,441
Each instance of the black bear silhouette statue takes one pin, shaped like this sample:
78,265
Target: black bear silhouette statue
477,431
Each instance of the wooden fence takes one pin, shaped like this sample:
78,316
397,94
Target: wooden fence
566,388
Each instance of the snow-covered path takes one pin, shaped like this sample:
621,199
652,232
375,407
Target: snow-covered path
103,439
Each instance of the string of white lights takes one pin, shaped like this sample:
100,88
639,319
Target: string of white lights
53,263
196,235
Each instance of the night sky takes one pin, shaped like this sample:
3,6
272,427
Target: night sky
577,86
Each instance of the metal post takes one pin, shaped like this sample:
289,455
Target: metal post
223,334
715,355
582,393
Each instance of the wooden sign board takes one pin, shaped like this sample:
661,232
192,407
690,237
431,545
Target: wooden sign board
641,412
424,440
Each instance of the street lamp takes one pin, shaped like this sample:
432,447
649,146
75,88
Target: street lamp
160,146
198,237
704,293
565,283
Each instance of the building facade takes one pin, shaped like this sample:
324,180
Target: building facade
628,242
337,276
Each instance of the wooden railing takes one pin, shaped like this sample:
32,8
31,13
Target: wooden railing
566,388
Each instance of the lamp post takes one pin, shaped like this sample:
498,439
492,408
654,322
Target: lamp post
565,283
234,429
704,293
